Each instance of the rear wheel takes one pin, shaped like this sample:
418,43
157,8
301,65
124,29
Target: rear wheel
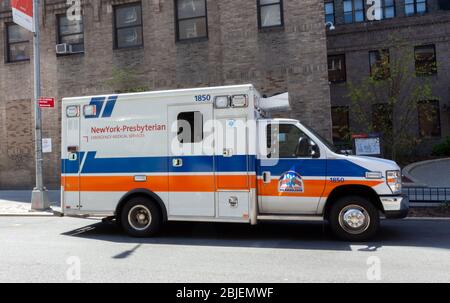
140,217
354,218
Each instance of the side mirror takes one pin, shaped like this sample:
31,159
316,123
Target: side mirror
314,150
307,148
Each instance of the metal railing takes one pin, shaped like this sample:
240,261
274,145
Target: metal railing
428,194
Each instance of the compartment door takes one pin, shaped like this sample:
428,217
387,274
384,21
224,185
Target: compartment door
232,168
71,157
191,161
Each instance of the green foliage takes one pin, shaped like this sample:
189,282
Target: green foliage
125,80
445,205
386,101
443,148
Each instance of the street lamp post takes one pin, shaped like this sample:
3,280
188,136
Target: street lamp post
39,196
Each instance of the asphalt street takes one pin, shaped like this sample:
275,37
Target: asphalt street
61,249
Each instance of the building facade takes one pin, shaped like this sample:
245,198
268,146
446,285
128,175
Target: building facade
422,30
122,45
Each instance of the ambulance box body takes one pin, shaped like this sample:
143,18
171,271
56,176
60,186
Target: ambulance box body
213,154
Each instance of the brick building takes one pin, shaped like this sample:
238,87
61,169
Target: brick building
422,27
276,45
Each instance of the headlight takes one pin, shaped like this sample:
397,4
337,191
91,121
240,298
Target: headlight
394,181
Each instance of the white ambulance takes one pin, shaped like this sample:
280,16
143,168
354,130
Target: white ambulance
213,155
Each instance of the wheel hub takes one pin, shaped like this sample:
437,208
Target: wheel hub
354,219
139,217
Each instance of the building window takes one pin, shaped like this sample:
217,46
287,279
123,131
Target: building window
71,32
379,64
191,17
128,25
429,119
388,9
336,68
425,60
329,12
270,13
353,11
17,43
382,120
340,120
413,7
190,127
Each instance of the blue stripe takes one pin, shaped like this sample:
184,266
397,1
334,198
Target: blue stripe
305,167
235,163
314,167
93,165
98,102
72,167
238,163
345,168
109,107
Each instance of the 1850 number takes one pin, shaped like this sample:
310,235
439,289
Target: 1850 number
202,98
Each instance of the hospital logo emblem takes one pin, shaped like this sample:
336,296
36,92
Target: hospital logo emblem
290,181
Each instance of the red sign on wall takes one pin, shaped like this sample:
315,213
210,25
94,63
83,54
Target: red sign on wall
22,11
46,102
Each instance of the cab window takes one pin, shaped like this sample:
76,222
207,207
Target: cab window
287,141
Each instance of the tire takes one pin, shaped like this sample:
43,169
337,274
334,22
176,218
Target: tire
140,217
354,218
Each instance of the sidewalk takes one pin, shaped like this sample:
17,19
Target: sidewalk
18,203
431,173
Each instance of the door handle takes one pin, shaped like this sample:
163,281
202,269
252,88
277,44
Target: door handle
266,177
177,162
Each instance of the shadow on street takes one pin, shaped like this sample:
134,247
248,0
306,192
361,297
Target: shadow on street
286,235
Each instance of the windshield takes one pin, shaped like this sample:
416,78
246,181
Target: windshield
322,139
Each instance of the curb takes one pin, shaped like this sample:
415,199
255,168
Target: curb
52,213
31,214
428,218
408,168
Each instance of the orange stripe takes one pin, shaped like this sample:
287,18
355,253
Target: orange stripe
332,185
192,183
113,183
179,183
230,182
311,188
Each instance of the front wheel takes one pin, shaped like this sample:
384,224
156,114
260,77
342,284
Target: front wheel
140,217
354,218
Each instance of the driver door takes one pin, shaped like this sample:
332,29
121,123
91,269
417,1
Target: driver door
291,170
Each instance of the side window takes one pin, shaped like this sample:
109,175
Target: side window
336,68
190,127
128,25
71,32
191,19
17,43
287,141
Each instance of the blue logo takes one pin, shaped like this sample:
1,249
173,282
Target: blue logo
290,181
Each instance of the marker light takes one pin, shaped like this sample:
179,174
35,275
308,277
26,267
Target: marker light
374,175
89,110
394,180
72,111
222,101
239,101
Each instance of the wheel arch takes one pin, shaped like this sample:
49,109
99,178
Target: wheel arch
142,192
352,190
